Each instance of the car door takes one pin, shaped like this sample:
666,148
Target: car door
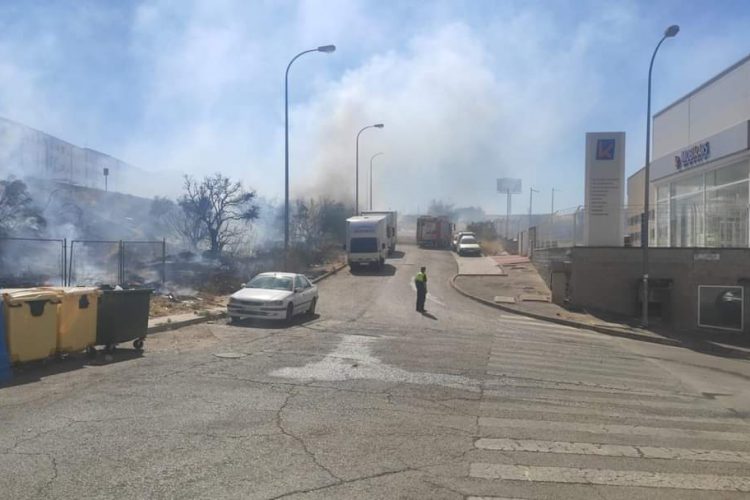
301,295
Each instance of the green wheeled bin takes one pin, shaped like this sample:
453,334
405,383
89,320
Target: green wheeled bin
123,317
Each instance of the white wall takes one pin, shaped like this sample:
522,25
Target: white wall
720,105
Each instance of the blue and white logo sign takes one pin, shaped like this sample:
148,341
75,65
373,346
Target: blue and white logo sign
605,149
693,156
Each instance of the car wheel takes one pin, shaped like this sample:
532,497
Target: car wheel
289,312
313,304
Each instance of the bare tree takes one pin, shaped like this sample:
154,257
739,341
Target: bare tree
219,207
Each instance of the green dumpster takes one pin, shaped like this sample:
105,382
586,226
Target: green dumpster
123,317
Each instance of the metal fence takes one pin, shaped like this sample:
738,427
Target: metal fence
564,228
32,262
133,263
26,262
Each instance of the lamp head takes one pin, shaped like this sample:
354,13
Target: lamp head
378,125
672,31
327,48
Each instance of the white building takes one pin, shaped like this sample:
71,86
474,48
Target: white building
701,167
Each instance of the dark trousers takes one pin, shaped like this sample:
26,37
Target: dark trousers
421,296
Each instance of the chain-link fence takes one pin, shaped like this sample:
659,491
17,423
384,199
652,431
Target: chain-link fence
131,263
28,262
564,228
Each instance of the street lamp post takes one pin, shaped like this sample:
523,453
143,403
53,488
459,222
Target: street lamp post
356,179
323,48
668,33
531,200
372,158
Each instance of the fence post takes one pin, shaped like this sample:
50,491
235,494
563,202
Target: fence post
70,263
121,270
64,257
163,261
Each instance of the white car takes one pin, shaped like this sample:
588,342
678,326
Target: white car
457,237
274,296
468,245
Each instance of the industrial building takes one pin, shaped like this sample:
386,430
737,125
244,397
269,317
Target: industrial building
700,168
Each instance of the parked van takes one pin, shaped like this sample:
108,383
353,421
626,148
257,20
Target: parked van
366,241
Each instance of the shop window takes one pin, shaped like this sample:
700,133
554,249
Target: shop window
727,216
686,221
726,175
687,185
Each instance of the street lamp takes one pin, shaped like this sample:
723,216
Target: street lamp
325,49
669,33
372,158
356,177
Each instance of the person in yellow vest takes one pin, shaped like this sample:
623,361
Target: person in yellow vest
420,280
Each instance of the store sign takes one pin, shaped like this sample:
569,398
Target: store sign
693,156
605,193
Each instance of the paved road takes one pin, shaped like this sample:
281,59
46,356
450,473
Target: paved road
372,400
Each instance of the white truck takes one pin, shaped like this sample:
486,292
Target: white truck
366,240
391,226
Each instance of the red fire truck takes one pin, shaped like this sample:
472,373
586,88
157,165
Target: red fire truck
434,232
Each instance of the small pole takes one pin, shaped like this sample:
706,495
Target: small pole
70,264
163,261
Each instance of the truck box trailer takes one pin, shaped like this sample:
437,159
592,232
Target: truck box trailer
391,226
366,241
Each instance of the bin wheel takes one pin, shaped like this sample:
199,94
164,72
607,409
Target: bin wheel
138,344
91,352
110,348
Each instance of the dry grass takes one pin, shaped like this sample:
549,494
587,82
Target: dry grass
491,247
164,306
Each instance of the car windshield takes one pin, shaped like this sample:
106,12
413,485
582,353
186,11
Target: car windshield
271,282
468,239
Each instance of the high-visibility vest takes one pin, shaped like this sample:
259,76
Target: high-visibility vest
421,277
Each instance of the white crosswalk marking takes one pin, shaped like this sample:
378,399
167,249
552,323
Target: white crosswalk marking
607,477
612,450
609,417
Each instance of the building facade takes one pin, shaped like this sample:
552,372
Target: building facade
700,174
26,152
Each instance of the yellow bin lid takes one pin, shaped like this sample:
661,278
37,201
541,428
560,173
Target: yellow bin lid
73,290
18,296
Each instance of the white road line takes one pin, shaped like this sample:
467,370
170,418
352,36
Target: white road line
612,450
429,296
630,430
551,409
606,477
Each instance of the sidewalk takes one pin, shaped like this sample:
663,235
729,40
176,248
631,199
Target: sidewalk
518,288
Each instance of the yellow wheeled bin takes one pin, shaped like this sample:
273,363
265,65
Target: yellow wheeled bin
31,323
76,322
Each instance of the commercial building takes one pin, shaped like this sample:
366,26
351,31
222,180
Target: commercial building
701,168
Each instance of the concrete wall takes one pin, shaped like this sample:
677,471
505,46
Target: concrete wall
607,279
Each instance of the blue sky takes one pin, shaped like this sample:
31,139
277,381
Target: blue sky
469,91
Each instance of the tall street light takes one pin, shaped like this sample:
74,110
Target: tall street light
356,179
668,33
325,49
372,158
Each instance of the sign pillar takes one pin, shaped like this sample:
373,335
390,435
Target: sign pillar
605,180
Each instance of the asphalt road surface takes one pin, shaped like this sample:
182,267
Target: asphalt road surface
370,399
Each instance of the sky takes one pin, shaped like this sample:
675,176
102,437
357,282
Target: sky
469,91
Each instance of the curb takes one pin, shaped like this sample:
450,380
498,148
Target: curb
565,322
165,327
329,273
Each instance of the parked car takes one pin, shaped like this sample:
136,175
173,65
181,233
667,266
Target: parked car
274,296
457,237
468,245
